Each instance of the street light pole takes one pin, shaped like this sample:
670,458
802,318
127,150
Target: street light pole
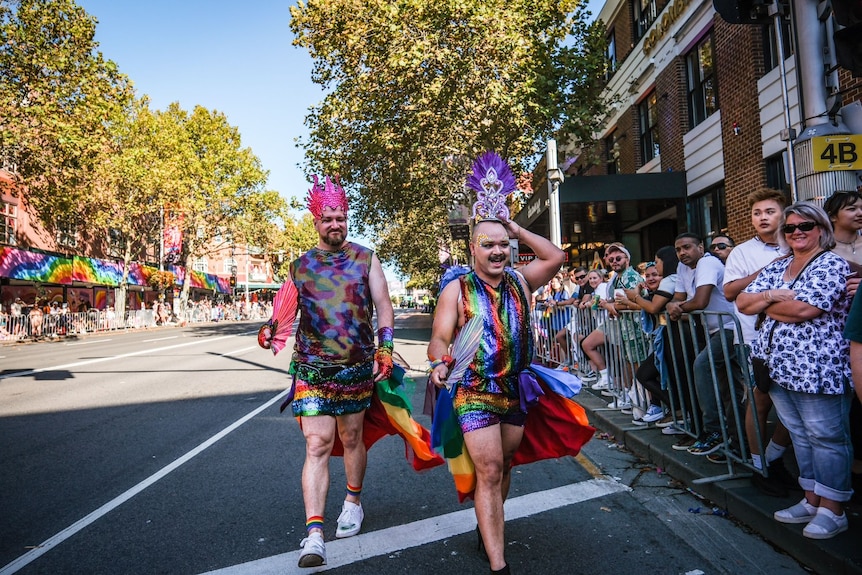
246,276
555,178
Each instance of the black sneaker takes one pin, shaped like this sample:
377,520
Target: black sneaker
685,443
717,457
768,485
710,443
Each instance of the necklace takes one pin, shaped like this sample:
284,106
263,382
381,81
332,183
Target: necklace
851,244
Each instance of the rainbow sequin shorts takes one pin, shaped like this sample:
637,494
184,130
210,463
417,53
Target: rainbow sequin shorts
331,390
479,409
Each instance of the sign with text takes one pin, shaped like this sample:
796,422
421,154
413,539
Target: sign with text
838,152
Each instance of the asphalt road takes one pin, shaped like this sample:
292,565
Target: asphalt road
164,452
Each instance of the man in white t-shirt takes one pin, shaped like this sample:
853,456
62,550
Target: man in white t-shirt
699,286
743,265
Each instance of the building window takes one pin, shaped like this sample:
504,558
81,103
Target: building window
702,86
67,235
776,175
770,49
200,265
648,115
610,56
707,212
116,243
645,14
612,154
229,266
8,223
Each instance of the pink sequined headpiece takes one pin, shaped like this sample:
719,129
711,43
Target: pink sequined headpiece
331,195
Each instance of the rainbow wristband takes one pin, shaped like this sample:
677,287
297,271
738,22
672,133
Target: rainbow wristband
384,338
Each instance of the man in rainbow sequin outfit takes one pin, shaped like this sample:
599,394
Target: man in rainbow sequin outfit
487,400
335,361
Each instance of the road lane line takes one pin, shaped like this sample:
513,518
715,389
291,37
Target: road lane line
68,532
230,353
160,338
342,552
88,342
112,357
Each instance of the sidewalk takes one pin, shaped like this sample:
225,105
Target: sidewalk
841,555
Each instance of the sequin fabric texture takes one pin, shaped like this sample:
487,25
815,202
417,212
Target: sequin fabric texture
335,329
488,393
322,392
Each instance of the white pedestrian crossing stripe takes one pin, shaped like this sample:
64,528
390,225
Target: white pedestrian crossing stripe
341,552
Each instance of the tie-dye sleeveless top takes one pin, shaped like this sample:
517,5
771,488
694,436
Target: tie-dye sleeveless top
506,348
335,305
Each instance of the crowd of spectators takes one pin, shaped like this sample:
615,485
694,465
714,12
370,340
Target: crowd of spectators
673,341
41,319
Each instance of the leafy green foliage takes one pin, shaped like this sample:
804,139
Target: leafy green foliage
418,89
57,96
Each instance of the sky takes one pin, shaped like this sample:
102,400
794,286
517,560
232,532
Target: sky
235,57
230,56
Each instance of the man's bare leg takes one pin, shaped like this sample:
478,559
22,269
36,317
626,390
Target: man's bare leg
355,454
319,432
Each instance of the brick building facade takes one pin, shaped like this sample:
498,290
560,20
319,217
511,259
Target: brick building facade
695,95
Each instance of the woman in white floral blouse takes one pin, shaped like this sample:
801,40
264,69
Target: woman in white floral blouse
805,301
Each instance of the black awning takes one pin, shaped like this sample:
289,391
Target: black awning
618,187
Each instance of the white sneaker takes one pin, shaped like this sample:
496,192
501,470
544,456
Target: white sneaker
653,414
621,403
599,385
350,520
672,430
313,552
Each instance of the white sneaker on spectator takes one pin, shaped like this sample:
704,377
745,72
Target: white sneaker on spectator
672,430
589,376
620,403
599,385
653,414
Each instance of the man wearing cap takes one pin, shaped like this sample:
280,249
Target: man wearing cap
634,345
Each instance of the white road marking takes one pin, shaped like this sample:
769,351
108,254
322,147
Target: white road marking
160,338
341,552
88,342
230,353
52,542
113,357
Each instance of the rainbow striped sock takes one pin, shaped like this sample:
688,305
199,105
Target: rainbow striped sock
354,491
314,522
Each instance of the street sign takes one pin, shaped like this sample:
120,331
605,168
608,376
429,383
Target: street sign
839,152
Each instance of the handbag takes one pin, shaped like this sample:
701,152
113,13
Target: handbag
759,368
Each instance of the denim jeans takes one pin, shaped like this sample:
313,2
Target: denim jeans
819,426
703,382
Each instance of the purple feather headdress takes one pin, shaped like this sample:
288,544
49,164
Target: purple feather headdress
492,179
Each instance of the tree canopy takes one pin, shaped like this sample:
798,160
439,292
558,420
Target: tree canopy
57,95
416,90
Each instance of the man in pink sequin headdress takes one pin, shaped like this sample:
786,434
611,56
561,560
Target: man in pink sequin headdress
339,289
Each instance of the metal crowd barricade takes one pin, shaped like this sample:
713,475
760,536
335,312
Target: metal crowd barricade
626,346
731,400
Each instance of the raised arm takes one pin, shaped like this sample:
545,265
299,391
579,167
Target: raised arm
549,258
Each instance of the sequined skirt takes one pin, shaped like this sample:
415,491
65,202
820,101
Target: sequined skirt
479,409
331,390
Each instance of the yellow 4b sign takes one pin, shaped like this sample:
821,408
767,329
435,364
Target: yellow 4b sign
842,152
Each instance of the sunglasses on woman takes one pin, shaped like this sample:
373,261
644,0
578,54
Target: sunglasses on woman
803,227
